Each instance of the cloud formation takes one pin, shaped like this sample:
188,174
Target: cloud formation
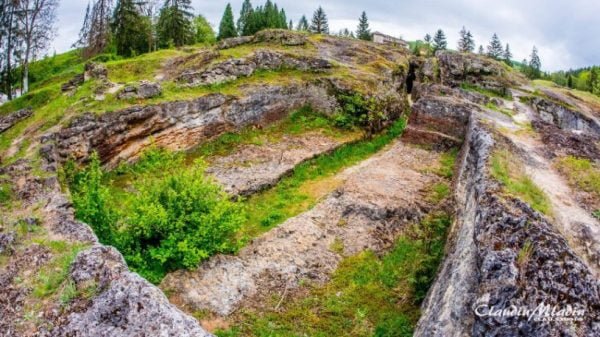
565,32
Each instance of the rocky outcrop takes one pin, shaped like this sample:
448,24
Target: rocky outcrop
377,199
92,70
458,68
243,67
253,168
143,90
563,116
280,36
432,89
127,304
501,253
180,125
7,121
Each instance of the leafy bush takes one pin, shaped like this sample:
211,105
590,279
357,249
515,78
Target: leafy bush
91,198
178,221
176,217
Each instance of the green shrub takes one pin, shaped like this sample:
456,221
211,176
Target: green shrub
581,173
178,221
91,198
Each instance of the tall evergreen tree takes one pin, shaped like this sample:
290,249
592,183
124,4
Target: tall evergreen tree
302,24
427,38
595,80
363,32
494,49
439,41
130,28
481,51
507,55
290,25
245,14
175,26
465,42
227,27
535,64
319,23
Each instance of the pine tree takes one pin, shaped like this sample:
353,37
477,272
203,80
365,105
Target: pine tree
494,49
319,23
507,55
245,14
175,25
130,29
302,24
439,41
481,51
570,81
535,64
427,38
466,43
291,25
283,23
227,27
363,32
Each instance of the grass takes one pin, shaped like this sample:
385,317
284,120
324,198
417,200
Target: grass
368,295
581,173
300,191
503,111
5,193
506,169
55,273
487,92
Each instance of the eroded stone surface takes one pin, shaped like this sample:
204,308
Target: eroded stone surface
377,198
7,121
256,167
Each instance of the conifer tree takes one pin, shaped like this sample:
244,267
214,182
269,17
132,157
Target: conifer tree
227,27
130,29
465,42
507,55
427,38
494,49
439,41
535,64
319,23
291,25
302,24
595,80
245,14
481,51
175,25
363,32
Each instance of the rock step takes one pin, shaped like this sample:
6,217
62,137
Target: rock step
377,198
253,168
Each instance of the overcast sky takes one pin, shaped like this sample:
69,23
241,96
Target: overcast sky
566,32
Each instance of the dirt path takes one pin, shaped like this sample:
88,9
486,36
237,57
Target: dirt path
576,224
256,167
377,198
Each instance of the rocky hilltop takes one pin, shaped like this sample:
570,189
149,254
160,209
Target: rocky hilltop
478,148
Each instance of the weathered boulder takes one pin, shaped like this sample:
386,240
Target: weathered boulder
457,68
127,305
73,83
7,121
234,42
96,71
143,90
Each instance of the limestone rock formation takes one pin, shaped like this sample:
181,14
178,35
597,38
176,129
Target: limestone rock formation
7,121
